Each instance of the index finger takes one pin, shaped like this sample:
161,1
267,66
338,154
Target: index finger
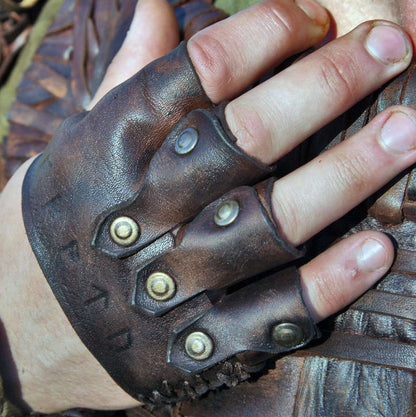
234,53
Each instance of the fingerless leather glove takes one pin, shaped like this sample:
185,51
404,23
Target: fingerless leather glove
148,222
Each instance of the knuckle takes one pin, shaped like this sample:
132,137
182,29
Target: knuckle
276,18
211,62
287,215
349,173
339,76
250,130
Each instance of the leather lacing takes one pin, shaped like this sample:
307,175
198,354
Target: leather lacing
229,373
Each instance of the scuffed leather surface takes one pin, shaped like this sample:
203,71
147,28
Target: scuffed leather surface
211,169
241,321
367,365
308,377
103,161
69,65
208,253
60,175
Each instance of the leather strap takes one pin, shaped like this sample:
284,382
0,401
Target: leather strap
366,349
386,303
272,318
212,167
210,256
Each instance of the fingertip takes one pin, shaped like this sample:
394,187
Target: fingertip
345,271
398,133
315,12
375,252
388,43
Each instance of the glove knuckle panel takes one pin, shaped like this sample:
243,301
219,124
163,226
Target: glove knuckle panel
235,325
211,256
178,185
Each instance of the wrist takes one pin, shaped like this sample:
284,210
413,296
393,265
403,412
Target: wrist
50,367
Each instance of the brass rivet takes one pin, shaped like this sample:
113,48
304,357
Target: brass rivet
199,346
288,335
226,213
124,231
160,286
186,141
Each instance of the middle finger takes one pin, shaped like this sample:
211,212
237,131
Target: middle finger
271,119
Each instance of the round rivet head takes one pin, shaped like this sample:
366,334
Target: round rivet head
186,141
287,335
160,286
226,213
199,346
124,231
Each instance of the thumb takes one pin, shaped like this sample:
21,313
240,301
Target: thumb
153,33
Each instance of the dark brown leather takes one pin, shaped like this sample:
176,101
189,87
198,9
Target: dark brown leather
258,306
216,165
206,253
124,158
70,64
308,383
366,366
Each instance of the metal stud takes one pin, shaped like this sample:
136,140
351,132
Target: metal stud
288,335
124,231
199,346
226,213
160,286
186,141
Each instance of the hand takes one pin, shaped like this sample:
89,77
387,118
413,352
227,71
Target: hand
330,281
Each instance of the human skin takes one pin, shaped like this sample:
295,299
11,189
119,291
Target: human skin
55,369
349,13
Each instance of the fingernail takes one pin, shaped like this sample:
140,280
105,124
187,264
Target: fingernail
398,134
314,11
388,43
371,256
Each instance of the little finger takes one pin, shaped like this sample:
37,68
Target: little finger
342,273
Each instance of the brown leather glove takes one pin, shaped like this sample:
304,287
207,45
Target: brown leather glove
141,214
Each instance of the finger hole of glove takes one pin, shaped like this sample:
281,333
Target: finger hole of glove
234,53
338,276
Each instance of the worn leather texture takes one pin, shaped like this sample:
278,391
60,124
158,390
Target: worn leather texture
62,78
7,409
121,160
346,377
365,365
